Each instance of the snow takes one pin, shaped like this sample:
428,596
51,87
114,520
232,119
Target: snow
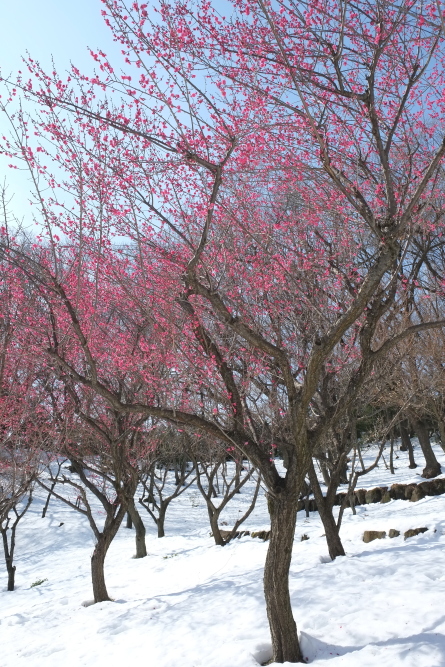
193,604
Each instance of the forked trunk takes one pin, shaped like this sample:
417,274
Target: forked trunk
213,517
283,629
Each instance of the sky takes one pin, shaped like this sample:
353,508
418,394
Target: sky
63,29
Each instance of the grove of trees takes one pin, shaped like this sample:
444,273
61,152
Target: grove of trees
241,255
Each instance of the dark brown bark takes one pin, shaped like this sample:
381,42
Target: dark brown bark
98,570
283,512
239,465
391,456
213,518
129,522
9,545
325,505
432,466
48,498
53,486
9,556
231,486
160,522
161,507
154,480
325,472
103,541
407,445
135,517
441,425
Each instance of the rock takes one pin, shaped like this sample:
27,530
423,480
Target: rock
339,498
397,491
371,535
360,497
417,494
261,534
409,488
439,485
239,533
386,498
427,487
434,487
373,495
394,533
412,532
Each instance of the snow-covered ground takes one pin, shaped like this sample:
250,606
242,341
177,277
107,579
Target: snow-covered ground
193,604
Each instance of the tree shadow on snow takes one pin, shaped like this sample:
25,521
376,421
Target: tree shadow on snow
315,649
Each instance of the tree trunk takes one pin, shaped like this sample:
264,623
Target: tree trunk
441,425
343,476
335,546
45,509
97,569
238,468
407,445
160,523
403,435
432,467
9,548
9,557
141,549
325,506
325,472
11,577
213,516
359,452
391,456
283,515
104,539
129,522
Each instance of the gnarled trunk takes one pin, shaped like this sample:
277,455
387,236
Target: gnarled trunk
283,516
325,506
213,517
432,467
141,548
98,569
103,542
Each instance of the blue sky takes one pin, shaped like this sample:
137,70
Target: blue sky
63,29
